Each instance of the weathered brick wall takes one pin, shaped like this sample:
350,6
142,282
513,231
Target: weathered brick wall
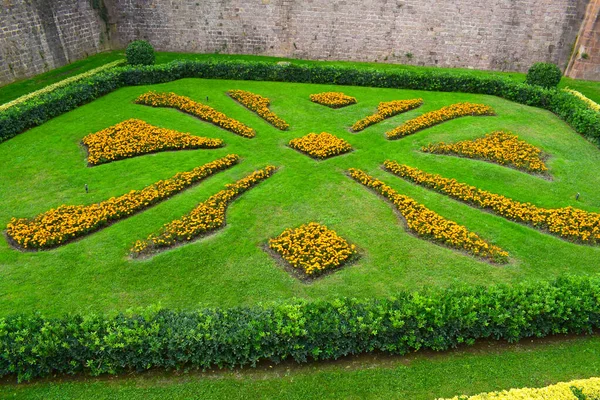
39,35
484,34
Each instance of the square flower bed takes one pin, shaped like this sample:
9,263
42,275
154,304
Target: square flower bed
320,146
312,249
333,99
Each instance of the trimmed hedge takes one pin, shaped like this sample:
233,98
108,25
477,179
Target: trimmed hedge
33,346
36,111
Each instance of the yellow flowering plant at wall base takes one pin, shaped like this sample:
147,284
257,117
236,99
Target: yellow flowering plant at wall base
202,111
135,137
312,248
499,147
204,218
386,110
333,99
321,146
259,105
573,390
438,116
568,222
59,225
430,225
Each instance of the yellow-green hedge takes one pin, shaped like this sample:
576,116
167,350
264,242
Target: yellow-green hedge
585,388
62,83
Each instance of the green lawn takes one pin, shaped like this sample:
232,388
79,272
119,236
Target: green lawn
45,167
423,376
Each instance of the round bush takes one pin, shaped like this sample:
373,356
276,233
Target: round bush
544,74
140,52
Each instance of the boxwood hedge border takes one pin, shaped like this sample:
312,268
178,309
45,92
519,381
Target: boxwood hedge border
439,319
42,108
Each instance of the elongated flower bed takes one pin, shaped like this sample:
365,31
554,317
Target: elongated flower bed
386,110
333,99
202,111
499,147
568,222
574,390
430,225
438,116
312,248
205,217
259,105
59,225
321,146
135,137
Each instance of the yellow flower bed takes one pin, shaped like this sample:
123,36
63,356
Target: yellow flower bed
591,103
570,223
322,145
499,147
560,391
312,248
202,111
205,217
437,117
59,225
333,99
430,225
135,137
386,110
259,105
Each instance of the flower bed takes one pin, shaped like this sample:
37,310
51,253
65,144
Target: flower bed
430,225
386,110
321,146
333,99
135,137
499,147
574,390
437,117
202,111
259,105
205,217
57,226
568,222
312,248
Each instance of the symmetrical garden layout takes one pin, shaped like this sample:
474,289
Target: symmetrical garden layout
365,182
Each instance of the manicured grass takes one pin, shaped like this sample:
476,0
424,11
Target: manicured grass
426,376
45,167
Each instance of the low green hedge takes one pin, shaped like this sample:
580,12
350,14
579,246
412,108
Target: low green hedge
36,111
438,319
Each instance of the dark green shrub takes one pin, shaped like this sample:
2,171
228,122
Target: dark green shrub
140,52
546,75
437,319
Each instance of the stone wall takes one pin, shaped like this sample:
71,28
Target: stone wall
585,61
509,35
39,35
484,34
